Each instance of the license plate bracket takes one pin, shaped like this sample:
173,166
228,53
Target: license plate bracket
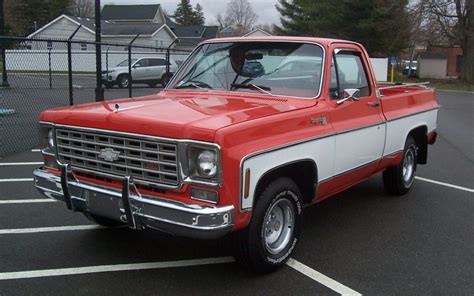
101,204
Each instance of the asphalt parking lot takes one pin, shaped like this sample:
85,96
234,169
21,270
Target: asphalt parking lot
360,241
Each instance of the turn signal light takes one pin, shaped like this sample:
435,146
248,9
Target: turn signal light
205,195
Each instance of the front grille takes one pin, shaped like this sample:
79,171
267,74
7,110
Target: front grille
144,160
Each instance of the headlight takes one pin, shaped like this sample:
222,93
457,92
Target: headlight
207,164
50,139
47,139
203,163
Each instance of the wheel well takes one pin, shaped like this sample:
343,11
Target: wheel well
303,172
419,134
121,75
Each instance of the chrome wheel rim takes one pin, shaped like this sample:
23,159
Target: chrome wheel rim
408,166
278,226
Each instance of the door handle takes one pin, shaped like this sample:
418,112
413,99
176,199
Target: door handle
374,104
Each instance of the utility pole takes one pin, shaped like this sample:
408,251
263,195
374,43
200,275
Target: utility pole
99,90
2,33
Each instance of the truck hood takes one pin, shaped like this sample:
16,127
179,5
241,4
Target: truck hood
174,114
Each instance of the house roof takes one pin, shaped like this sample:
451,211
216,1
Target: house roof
128,28
209,32
258,30
130,12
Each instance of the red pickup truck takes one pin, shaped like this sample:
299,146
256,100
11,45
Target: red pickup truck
247,132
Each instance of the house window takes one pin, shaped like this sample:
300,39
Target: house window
83,46
50,45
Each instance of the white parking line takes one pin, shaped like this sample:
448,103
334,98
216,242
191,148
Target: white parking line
20,163
35,150
50,229
23,201
16,180
445,184
320,278
109,268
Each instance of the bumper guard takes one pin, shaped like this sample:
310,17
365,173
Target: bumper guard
138,212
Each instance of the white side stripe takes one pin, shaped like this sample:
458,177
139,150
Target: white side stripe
23,201
19,163
16,180
445,184
320,278
109,268
50,229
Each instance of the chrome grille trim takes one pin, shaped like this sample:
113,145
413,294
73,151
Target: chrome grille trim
148,160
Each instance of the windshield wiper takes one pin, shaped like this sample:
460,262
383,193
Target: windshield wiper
195,84
262,89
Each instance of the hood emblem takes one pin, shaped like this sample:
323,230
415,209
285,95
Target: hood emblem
109,154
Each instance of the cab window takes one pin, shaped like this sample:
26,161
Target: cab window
350,74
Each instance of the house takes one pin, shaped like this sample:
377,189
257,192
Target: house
432,65
236,31
257,33
122,23
454,55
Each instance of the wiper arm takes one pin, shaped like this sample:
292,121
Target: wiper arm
262,89
196,84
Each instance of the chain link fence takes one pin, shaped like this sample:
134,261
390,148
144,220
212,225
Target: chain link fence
41,74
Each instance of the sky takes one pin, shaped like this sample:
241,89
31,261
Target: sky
265,9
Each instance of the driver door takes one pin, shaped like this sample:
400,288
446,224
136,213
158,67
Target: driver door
359,122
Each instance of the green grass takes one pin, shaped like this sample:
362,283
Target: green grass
442,84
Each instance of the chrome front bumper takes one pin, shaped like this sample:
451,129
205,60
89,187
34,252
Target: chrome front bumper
138,212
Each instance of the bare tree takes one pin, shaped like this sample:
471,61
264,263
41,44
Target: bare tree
82,8
222,21
240,14
450,22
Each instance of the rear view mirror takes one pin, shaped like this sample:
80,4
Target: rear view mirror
253,56
350,94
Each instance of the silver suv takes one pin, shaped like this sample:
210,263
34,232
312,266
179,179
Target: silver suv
149,70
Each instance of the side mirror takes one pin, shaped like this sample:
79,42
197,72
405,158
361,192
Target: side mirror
350,94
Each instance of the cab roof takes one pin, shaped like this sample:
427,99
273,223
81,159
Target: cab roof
326,42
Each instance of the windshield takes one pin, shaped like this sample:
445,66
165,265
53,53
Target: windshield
125,63
274,68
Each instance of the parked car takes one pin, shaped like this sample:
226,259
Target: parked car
148,70
414,67
238,145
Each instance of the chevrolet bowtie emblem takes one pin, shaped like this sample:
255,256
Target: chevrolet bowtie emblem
109,154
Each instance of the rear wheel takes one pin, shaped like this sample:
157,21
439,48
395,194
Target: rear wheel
398,180
123,81
274,229
165,79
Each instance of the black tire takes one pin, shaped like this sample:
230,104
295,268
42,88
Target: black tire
123,81
398,180
152,84
165,79
102,220
253,247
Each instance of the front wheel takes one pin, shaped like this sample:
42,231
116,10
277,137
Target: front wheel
274,229
398,180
